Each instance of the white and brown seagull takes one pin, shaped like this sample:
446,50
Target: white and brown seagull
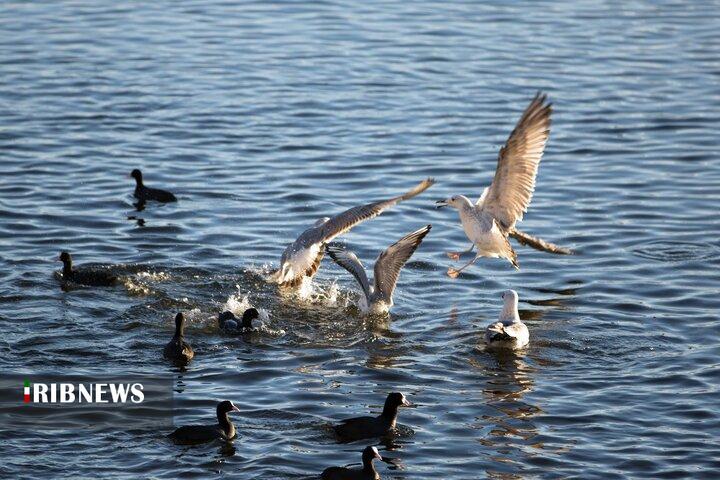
301,259
491,220
378,295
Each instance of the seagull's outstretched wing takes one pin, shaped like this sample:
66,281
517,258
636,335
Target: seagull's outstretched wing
350,262
343,222
305,253
391,261
511,190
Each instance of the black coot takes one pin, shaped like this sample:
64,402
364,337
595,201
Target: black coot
145,194
230,323
85,276
178,350
222,430
366,427
366,472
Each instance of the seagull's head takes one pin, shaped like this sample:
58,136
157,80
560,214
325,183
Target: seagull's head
456,201
510,306
510,297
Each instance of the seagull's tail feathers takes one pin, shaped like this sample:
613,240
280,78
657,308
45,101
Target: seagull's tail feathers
514,261
509,253
496,333
538,243
501,336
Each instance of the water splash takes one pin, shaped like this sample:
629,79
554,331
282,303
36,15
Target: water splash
153,276
194,316
238,302
139,282
136,288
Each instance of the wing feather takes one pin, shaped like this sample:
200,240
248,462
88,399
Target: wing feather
350,262
301,252
343,222
391,261
512,188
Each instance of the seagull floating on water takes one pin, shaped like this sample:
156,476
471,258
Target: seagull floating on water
490,221
509,331
378,296
302,258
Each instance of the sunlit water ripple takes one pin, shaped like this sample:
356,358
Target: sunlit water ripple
263,117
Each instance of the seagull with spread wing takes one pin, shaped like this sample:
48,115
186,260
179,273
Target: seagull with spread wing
491,220
302,257
378,296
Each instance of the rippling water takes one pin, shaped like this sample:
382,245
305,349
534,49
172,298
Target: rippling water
263,117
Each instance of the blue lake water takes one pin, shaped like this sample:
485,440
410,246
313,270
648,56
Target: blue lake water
263,117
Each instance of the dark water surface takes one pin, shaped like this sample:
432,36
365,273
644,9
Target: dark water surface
263,117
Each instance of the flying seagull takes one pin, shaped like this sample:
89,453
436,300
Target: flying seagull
302,257
491,220
378,296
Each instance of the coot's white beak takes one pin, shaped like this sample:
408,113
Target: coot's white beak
377,454
235,409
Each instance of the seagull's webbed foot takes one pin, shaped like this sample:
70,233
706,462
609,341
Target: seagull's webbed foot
456,255
453,273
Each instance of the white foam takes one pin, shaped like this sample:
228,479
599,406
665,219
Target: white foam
238,302
153,276
193,315
136,288
306,289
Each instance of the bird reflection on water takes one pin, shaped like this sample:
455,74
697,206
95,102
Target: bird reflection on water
511,428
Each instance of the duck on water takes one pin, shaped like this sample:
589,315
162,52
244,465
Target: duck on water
177,349
368,427
144,194
229,323
366,472
85,275
222,430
